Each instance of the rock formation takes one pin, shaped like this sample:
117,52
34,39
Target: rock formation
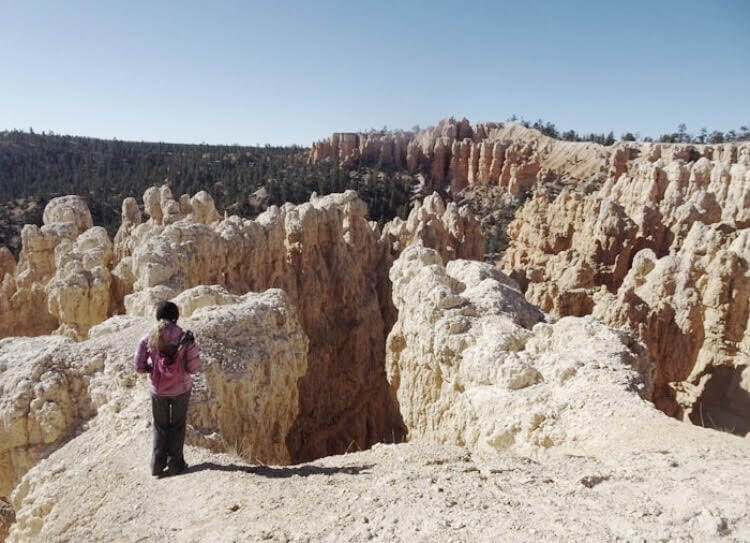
78,295
333,264
328,258
473,364
253,350
306,371
691,308
7,518
325,254
660,249
23,300
452,231
594,210
494,378
41,397
454,155
7,262
381,149
68,209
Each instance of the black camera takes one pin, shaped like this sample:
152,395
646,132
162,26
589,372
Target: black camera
186,338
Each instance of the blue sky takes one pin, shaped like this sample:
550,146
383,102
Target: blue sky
291,72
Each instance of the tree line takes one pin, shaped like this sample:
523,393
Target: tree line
43,166
681,135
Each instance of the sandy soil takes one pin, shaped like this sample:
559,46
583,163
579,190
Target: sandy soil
98,488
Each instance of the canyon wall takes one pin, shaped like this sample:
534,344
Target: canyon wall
650,237
325,254
454,155
328,258
660,249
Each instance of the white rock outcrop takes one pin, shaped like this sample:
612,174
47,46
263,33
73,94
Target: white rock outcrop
25,309
68,209
42,397
246,399
452,231
473,364
78,295
254,352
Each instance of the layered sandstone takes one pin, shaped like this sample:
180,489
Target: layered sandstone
454,155
661,250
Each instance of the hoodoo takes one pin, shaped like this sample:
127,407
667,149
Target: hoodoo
624,288
648,237
329,260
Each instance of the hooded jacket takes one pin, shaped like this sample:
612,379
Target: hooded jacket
168,379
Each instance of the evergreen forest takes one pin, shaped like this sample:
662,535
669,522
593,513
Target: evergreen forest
38,167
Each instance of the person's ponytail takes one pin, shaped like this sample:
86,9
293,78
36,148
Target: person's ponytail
154,335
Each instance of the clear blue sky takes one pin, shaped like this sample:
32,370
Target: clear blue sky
287,72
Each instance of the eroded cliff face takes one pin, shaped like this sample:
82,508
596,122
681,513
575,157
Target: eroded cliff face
246,399
325,254
454,155
328,258
646,236
473,364
23,299
660,249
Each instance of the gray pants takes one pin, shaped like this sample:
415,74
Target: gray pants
170,417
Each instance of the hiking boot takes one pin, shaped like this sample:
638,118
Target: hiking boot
157,468
177,468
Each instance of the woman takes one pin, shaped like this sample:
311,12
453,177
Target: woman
173,357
